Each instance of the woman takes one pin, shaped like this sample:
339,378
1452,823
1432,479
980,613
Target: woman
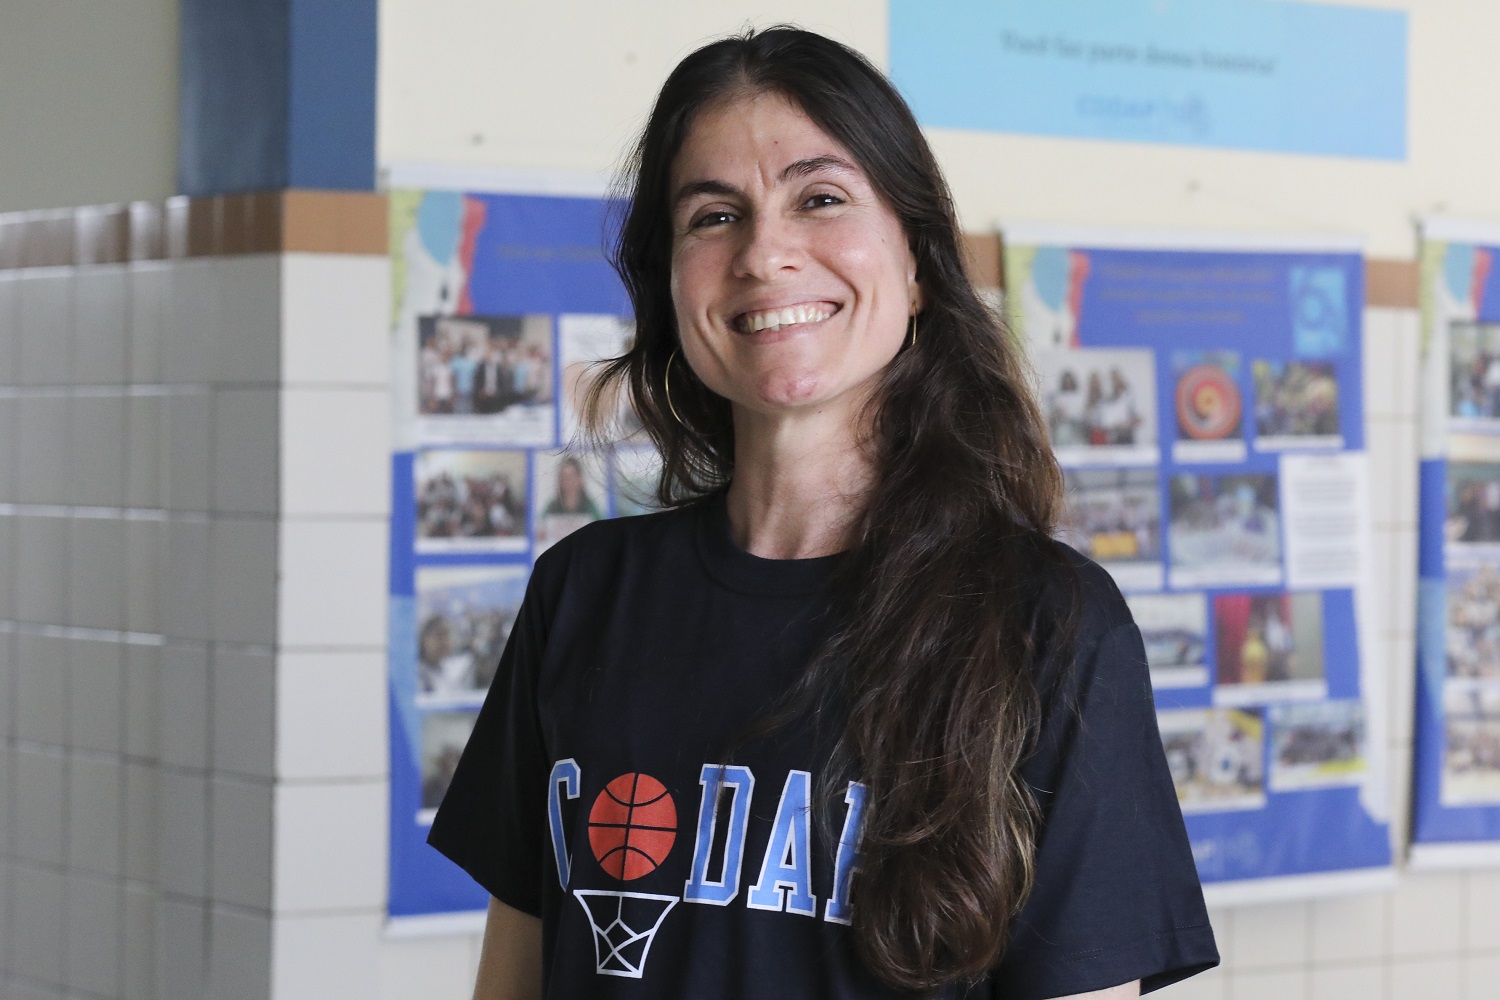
843,721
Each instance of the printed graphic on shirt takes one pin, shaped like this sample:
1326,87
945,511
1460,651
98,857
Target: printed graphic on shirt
632,829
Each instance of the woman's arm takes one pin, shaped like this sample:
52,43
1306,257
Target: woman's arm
1125,991
510,960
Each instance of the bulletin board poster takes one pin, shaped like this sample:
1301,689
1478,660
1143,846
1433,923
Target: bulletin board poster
1204,397
500,303
1456,773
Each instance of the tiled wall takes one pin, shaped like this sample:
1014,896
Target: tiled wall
194,444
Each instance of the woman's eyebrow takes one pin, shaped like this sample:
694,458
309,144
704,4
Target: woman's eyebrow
799,168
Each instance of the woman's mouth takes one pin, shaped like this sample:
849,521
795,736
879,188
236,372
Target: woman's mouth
776,319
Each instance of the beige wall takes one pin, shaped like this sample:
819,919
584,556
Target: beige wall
88,101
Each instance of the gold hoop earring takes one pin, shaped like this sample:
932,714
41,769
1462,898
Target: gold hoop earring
913,341
666,388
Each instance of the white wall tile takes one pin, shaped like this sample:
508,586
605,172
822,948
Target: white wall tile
244,581
1380,375
1274,934
438,969
10,326
244,711
10,430
1404,573
97,451
186,448
1280,984
239,956
247,343
8,558
182,686
1482,912
7,818
185,595
1408,347
37,827
96,695
314,957
1405,484
96,789
141,700
1425,978
145,459
7,906
91,911
1348,982
245,476
307,747
42,442
42,569
1382,447
240,843
1401,688
330,846
181,968
335,451
1426,915
41,688
150,287
336,319
37,940
145,558
182,833
141,820
333,583
138,955
1349,928
22,989
1480,977
46,322
191,322
101,311
96,580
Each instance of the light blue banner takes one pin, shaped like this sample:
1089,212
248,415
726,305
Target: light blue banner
1237,74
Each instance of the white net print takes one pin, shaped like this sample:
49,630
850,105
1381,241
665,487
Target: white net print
624,924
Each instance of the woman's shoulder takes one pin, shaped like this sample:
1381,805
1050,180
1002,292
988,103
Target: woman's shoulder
1072,587
601,550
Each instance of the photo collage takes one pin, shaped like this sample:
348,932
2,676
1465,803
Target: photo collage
500,473
1471,558
1174,477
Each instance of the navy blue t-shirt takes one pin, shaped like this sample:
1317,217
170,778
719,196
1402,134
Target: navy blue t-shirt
598,791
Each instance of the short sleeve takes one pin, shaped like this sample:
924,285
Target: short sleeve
492,821
1116,895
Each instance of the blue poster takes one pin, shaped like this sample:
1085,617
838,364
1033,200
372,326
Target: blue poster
1456,773
1206,407
1270,75
500,304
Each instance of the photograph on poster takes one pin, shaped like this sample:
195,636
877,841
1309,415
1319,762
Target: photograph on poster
1174,628
1473,634
464,617
1209,407
1474,375
1268,647
444,735
1224,530
1296,405
583,343
1114,517
1100,405
1317,744
632,481
569,492
485,378
1473,503
1216,756
470,500
1471,750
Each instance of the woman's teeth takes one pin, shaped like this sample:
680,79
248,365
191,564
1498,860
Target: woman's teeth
775,319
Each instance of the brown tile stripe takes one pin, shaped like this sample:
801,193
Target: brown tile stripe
226,225
982,253
1392,284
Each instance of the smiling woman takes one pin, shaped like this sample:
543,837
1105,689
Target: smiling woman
916,733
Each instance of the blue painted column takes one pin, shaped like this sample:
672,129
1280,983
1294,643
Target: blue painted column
277,94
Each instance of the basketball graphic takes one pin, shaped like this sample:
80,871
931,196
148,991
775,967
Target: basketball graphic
632,826
1208,403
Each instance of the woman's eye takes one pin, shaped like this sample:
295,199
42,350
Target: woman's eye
710,219
822,200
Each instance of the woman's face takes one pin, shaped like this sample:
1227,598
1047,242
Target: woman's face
792,280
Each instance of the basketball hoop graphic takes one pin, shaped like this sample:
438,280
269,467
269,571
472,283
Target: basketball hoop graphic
624,925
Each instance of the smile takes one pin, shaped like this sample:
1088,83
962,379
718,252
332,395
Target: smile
775,319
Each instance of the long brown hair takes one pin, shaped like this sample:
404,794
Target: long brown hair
941,615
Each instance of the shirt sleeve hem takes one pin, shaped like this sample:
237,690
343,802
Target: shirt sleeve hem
1157,959
527,899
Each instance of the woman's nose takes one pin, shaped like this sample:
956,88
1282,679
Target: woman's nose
771,246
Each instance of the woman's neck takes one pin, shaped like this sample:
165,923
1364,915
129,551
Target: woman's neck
799,484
